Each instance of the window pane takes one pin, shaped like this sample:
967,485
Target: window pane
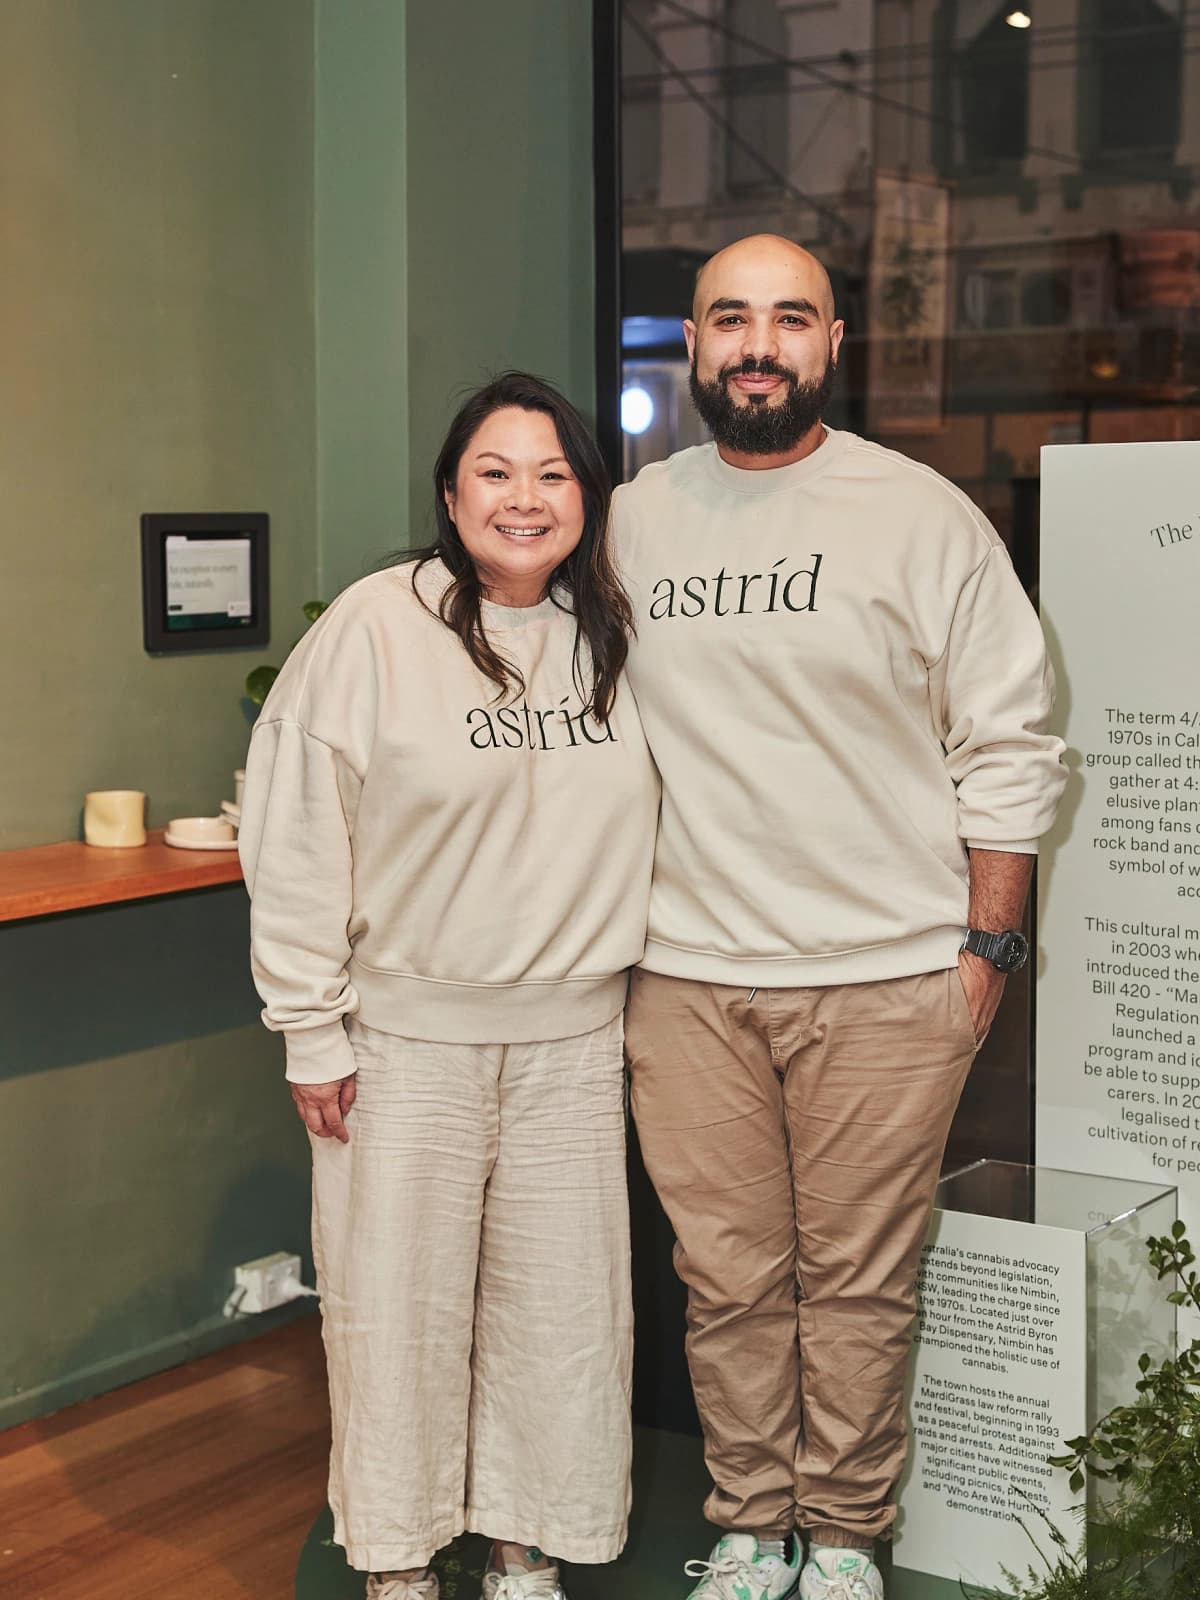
1010,217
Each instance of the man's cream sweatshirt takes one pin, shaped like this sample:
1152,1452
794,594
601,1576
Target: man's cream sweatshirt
442,864
844,687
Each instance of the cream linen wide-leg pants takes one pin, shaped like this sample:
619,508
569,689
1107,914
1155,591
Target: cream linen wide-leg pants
472,1250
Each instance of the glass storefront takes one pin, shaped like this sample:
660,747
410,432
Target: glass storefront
1006,199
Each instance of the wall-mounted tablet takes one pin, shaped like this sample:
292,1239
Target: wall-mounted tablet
205,581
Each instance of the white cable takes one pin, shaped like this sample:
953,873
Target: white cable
298,1291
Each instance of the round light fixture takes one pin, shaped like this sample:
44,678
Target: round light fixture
1019,19
637,409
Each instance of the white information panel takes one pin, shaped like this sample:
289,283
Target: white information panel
999,1380
1118,1016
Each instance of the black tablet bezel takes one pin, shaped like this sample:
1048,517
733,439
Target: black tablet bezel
156,528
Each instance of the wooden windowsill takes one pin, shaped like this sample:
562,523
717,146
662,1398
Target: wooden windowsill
50,878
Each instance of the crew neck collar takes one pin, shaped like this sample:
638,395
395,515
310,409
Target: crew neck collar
498,616
495,616
770,480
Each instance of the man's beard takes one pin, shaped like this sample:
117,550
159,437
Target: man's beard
758,428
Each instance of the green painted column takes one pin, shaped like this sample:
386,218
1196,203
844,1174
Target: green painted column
500,253
361,287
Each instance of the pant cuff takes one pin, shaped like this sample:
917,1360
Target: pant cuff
839,1538
560,1543
386,1555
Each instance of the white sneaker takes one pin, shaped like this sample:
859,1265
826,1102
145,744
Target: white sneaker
425,1588
735,1570
832,1574
544,1584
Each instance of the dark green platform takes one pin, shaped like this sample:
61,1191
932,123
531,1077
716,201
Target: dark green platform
667,1528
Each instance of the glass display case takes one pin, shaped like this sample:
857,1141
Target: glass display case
1037,1298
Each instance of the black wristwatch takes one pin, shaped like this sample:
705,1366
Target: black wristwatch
1008,952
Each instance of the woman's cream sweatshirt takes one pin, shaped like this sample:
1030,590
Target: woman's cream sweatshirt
443,863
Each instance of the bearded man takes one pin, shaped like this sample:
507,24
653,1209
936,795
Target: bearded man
847,694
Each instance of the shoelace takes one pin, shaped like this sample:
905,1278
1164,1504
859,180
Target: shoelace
847,1586
408,1589
529,1586
729,1567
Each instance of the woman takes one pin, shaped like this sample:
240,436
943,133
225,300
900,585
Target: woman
447,832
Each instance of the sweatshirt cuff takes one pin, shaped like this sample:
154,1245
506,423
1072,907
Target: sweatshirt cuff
1012,847
319,1055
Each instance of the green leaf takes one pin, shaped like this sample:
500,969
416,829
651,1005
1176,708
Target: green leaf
1076,1482
258,683
314,608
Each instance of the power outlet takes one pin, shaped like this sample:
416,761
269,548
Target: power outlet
264,1284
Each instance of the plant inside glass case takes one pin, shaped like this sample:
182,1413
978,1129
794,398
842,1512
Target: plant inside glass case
1144,1540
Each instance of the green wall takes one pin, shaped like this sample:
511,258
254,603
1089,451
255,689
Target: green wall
155,324
252,254
147,1144
156,293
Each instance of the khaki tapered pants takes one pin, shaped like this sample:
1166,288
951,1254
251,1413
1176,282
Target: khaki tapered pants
795,1139
472,1251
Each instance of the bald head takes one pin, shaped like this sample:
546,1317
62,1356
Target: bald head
763,258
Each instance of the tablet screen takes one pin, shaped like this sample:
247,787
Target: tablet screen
207,581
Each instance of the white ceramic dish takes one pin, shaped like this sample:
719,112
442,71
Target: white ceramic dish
198,844
201,833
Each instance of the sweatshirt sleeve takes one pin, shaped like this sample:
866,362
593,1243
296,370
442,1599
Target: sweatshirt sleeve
294,843
993,687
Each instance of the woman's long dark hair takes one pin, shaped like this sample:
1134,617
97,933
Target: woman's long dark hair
603,615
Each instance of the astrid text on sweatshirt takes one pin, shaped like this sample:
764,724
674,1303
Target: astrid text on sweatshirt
444,862
844,687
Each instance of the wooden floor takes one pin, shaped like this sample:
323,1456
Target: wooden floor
201,1484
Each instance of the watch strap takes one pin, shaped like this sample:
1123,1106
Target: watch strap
983,944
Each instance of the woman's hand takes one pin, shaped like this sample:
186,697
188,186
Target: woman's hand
322,1107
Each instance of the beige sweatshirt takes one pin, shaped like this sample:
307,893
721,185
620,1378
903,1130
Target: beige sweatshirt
443,866
843,686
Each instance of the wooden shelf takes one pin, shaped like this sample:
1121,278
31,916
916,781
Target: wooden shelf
67,877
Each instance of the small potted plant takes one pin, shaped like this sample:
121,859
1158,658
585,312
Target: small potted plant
259,681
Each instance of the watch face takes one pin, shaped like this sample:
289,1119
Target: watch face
1013,952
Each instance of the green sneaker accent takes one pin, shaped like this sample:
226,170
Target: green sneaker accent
737,1569
832,1570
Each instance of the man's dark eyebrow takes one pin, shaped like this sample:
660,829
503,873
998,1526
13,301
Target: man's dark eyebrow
805,307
